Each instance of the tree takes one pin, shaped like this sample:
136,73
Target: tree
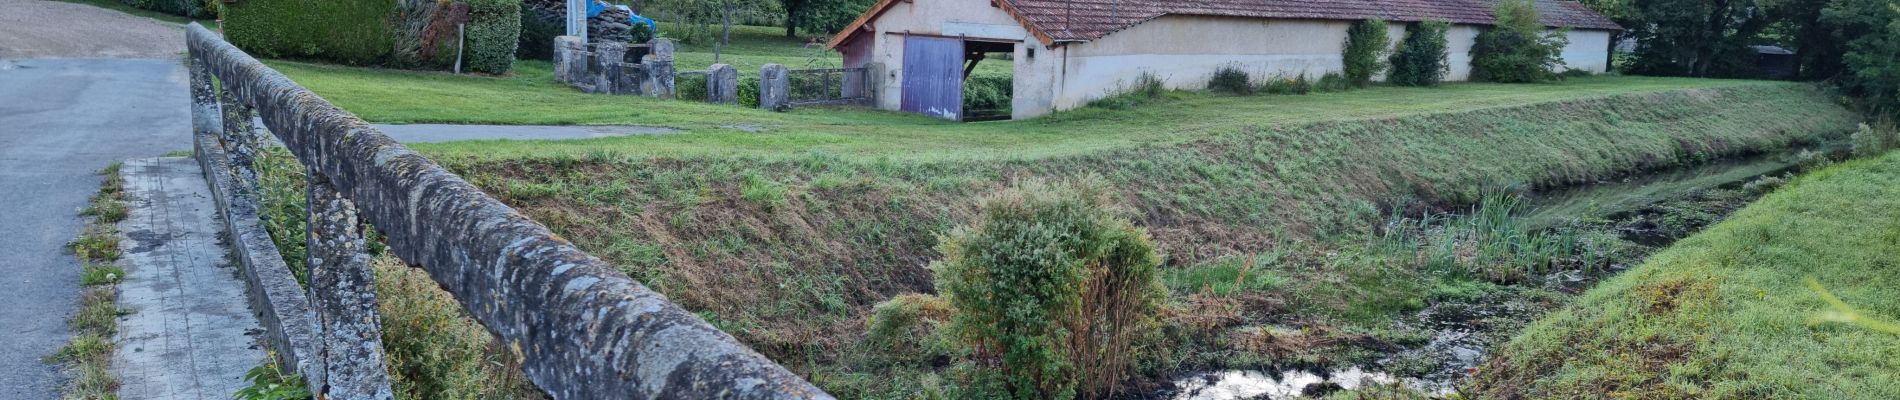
1872,59
1801,25
1517,49
1696,37
1365,51
1421,59
826,16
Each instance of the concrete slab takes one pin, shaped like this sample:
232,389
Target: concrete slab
190,334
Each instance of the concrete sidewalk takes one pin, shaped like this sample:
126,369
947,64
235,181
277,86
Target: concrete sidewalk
190,334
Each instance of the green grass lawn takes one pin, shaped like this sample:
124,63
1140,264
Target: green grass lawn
530,96
787,237
1726,315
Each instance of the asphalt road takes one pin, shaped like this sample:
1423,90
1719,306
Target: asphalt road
61,120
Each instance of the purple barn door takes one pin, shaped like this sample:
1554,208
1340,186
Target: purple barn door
933,77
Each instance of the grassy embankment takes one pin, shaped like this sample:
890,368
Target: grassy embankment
88,357
1725,314
1264,205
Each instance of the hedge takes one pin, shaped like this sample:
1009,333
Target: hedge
188,8
1420,59
355,32
405,34
494,28
537,37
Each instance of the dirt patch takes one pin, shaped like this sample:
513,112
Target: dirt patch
52,29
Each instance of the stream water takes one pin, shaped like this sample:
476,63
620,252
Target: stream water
1461,333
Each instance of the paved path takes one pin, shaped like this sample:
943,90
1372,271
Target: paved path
60,121
187,336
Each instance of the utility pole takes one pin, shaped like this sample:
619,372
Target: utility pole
577,19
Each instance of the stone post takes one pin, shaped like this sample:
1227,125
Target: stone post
567,50
722,84
240,139
607,59
659,68
631,79
873,83
343,295
775,88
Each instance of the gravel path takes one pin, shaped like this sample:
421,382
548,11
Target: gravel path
52,29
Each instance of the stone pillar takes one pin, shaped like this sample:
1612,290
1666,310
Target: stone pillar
775,88
343,296
722,84
607,59
631,79
659,68
240,138
873,82
566,52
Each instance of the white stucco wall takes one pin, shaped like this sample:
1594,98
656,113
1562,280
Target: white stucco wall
1588,50
1182,50
1458,42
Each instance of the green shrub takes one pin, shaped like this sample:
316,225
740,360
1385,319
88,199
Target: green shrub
1147,87
1421,59
188,8
1365,49
989,92
418,34
904,330
1283,85
355,32
1054,292
493,32
1877,139
748,92
435,350
641,33
691,87
1231,80
1517,50
537,37
1332,82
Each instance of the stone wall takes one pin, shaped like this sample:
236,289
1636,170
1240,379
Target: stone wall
602,67
583,329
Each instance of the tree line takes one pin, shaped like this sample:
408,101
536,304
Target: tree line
1853,43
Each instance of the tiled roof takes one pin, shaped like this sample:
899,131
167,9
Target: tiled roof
1084,20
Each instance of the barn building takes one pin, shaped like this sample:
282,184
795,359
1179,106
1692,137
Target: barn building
1067,53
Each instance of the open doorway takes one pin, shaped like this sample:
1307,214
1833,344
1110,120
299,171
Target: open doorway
957,78
989,80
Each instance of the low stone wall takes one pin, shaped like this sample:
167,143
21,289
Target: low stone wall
602,67
582,329
274,293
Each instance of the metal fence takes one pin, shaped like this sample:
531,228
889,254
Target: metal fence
828,86
582,329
